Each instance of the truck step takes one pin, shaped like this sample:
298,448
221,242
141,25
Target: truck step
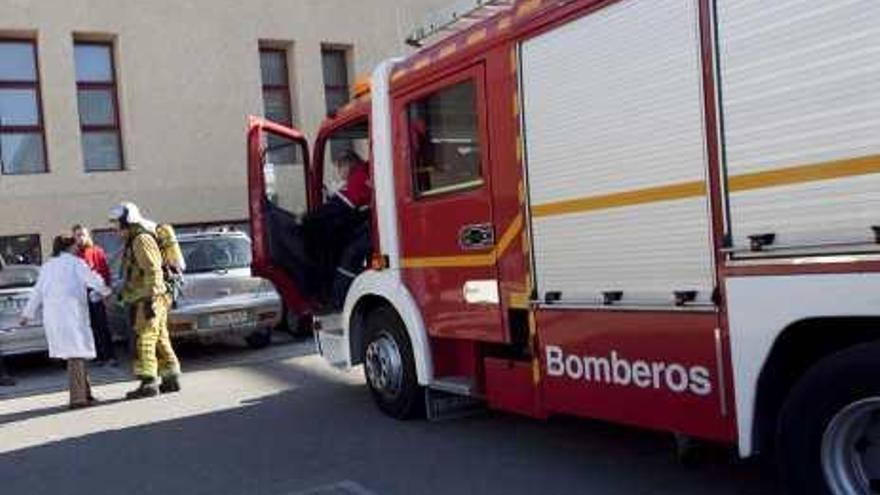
328,322
456,385
330,340
452,398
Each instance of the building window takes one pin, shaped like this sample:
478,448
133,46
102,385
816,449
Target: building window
276,102
22,140
98,108
21,249
334,62
445,140
336,90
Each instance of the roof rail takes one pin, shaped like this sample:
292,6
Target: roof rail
458,17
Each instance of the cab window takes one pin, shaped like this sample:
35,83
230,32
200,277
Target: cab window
444,140
353,137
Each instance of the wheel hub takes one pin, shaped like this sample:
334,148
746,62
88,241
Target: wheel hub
384,365
851,449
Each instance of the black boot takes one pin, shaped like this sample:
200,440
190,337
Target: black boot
169,384
147,388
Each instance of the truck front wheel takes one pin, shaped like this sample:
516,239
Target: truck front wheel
389,366
829,430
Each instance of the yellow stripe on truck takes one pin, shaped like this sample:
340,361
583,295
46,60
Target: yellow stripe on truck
799,174
806,173
745,182
617,200
464,261
469,260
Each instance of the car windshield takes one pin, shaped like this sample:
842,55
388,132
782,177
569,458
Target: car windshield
207,255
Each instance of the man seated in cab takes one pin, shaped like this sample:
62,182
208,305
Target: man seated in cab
337,233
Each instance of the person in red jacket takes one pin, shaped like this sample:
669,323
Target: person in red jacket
358,189
335,231
95,257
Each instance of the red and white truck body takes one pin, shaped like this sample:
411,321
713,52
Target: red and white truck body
662,213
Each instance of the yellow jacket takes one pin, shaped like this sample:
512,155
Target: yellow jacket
142,267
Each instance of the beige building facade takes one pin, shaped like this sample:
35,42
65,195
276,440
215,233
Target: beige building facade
184,74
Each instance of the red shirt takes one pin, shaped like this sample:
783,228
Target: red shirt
96,259
358,189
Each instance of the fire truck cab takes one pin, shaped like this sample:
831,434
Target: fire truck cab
662,213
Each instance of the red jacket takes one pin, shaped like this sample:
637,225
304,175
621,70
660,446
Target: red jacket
358,189
96,259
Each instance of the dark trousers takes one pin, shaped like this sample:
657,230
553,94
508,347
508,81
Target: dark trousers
329,233
101,331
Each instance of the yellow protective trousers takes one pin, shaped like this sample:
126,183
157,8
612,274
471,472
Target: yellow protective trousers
154,355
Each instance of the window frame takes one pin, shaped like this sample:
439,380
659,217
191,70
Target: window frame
328,88
475,74
36,86
112,86
336,144
284,89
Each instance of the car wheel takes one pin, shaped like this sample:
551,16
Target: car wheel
389,366
829,429
259,339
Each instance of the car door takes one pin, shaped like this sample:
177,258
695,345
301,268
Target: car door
448,239
278,165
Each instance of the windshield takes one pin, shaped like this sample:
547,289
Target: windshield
207,255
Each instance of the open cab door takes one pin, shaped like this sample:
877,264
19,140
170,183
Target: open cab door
278,169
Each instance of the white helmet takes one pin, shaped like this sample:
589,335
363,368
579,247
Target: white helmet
128,212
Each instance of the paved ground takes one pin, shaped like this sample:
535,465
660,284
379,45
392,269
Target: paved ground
279,422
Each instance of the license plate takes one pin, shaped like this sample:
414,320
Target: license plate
12,305
230,319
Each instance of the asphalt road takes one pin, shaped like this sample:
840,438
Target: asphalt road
279,422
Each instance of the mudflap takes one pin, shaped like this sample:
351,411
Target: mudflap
513,386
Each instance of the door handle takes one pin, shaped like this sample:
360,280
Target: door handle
476,236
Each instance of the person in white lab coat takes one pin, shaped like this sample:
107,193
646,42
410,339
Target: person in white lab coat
61,290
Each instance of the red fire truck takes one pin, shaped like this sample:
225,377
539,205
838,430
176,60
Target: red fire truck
662,213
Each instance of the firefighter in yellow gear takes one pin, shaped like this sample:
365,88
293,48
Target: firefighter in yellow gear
148,299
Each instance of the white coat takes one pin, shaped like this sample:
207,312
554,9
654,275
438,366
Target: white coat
61,290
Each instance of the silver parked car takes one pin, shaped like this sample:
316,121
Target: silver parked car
219,297
16,282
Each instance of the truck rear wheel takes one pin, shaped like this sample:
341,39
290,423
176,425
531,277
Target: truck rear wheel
829,429
389,366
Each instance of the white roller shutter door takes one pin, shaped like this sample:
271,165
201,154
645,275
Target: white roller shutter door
800,82
613,121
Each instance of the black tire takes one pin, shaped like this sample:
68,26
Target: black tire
259,339
407,400
829,387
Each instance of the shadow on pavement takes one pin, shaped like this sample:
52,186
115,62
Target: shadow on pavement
48,411
37,374
325,431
